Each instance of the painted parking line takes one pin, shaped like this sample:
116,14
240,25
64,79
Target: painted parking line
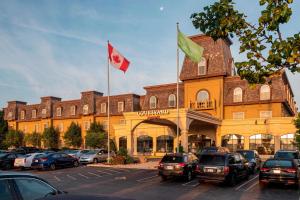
110,170
83,175
95,174
251,186
56,178
193,183
245,183
71,177
146,179
104,172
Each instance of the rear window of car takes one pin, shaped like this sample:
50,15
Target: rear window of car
247,154
3,154
288,155
218,160
172,159
279,163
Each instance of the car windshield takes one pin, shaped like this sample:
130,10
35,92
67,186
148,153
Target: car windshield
172,159
2,154
91,152
218,160
288,155
247,154
279,163
40,155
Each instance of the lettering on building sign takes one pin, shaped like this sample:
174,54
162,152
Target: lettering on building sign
153,112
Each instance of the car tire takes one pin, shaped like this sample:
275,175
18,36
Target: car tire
76,164
189,176
164,178
95,160
52,166
296,186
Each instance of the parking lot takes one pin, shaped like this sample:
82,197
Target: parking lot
146,184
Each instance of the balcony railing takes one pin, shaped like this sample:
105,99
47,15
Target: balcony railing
204,105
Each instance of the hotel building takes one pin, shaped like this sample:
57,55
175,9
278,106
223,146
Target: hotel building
216,107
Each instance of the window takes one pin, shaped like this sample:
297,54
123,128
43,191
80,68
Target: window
33,188
85,109
86,125
46,125
22,114
33,114
172,100
61,127
73,110
202,67
122,122
202,96
265,114
153,102
9,115
165,143
120,106
287,142
5,190
265,92
263,143
36,128
238,115
123,142
238,95
144,144
58,112
233,142
103,108
44,112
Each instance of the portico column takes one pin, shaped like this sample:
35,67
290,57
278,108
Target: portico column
134,145
184,140
277,142
154,145
246,142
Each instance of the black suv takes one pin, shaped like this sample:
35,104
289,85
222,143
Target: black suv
222,167
177,164
7,160
285,154
253,159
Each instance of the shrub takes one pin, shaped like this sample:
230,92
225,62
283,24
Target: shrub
34,139
122,152
51,137
118,160
14,138
72,136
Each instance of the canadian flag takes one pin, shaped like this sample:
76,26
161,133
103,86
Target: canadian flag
116,59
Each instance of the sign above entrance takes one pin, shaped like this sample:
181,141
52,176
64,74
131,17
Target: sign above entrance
153,112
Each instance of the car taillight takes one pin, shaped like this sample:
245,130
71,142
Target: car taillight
43,159
161,165
180,165
25,160
197,168
264,169
291,170
226,170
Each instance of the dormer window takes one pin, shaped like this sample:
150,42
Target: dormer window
33,114
153,102
58,112
202,67
202,96
44,112
120,106
85,109
172,100
265,93
22,115
238,95
103,108
73,110
9,115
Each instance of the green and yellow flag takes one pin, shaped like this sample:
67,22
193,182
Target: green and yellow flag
189,47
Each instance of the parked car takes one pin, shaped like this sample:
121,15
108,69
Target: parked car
178,165
20,186
54,160
215,149
94,156
253,159
26,160
280,171
222,167
7,160
75,152
283,154
26,150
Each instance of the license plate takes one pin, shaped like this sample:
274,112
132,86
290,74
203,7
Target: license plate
209,170
169,167
276,171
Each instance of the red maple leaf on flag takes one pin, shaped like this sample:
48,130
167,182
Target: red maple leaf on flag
116,58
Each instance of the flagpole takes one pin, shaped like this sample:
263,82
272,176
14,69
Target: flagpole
177,98
108,106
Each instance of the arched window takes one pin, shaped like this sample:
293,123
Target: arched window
144,144
265,93
165,144
238,95
123,142
202,67
85,109
202,96
233,142
263,143
287,142
153,102
22,115
172,100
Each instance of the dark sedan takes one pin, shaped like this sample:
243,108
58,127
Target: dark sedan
7,160
54,160
280,171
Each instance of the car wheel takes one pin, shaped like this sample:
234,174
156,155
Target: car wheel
164,178
296,186
189,175
232,180
95,160
52,166
75,164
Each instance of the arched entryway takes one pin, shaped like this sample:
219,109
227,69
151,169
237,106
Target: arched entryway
263,143
287,142
233,142
144,144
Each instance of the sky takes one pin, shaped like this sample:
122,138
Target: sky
59,48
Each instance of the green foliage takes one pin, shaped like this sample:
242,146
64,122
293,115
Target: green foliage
72,136
96,136
3,130
34,139
14,138
266,49
122,152
50,137
297,124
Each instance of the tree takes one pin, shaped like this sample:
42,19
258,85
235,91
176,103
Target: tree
297,135
72,136
34,139
96,137
267,50
50,137
3,130
14,138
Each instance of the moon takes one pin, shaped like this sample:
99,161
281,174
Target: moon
161,8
